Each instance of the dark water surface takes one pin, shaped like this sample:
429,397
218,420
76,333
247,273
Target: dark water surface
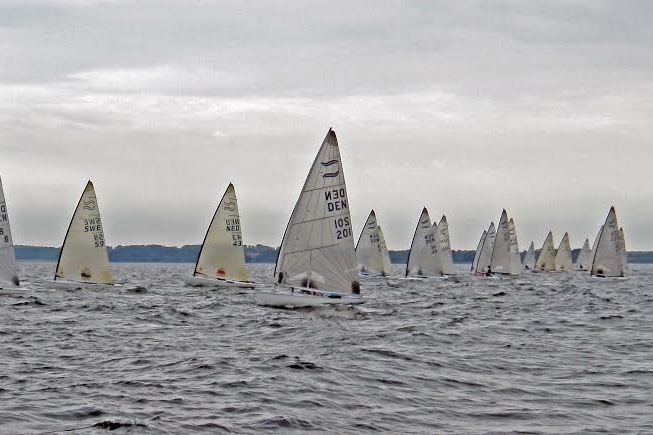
541,353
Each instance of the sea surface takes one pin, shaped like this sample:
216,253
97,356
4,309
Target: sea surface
541,353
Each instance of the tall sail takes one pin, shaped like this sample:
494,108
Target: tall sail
222,254
485,256
546,258
624,253
445,247
607,258
515,256
371,252
423,257
563,255
502,254
529,259
8,268
582,262
317,249
479,247
383,249
596,243
83,256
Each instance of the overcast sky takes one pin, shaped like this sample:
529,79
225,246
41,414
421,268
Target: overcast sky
465,107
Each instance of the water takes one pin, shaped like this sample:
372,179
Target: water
542,353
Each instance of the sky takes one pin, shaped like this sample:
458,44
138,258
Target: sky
544,108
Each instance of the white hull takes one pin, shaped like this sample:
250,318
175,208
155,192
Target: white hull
9,291
200,281
297,298
73,285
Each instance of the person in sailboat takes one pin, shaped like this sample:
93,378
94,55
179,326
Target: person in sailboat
489,271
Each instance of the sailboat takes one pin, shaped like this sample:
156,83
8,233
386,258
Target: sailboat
529,258
484,258
563,256
607,260
221,260
9,282
622,246
503,256
371,252
423,257
515,256
583,259
446,259
317,262
546,258
83,260
477,254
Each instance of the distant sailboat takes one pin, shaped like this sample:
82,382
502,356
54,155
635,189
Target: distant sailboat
83,260
371,252
424,258
583,259
607,260
563,255
529,258
9,282
317,262
624,253
503,260
221,260
477,254
484,258
514,248
446,259
546,258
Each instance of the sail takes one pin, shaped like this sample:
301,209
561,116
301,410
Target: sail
8,268
624,253
529,258
515,256
421,259
546,258
607,258
479,247
582,262
222,254
485,256
371,254
83,256
317,249
385,256
501,261
445,248
596,243
563,255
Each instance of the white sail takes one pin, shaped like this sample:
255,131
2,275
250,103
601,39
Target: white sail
563,255
624,253
502,254
383,249
596,243
446,259
423,257
8,268
607,261
546,258
479,247
222,254
83,256
515,256
485,256
529,258
317,249
371,252
584,256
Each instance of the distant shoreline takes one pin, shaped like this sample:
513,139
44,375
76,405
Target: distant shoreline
253,254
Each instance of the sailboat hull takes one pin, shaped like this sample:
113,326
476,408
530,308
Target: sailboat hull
300,297
200,281
9,291
74,285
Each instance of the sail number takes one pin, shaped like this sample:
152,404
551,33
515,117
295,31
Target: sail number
343,227
233,226
336,199
4,236
93,225
3,212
